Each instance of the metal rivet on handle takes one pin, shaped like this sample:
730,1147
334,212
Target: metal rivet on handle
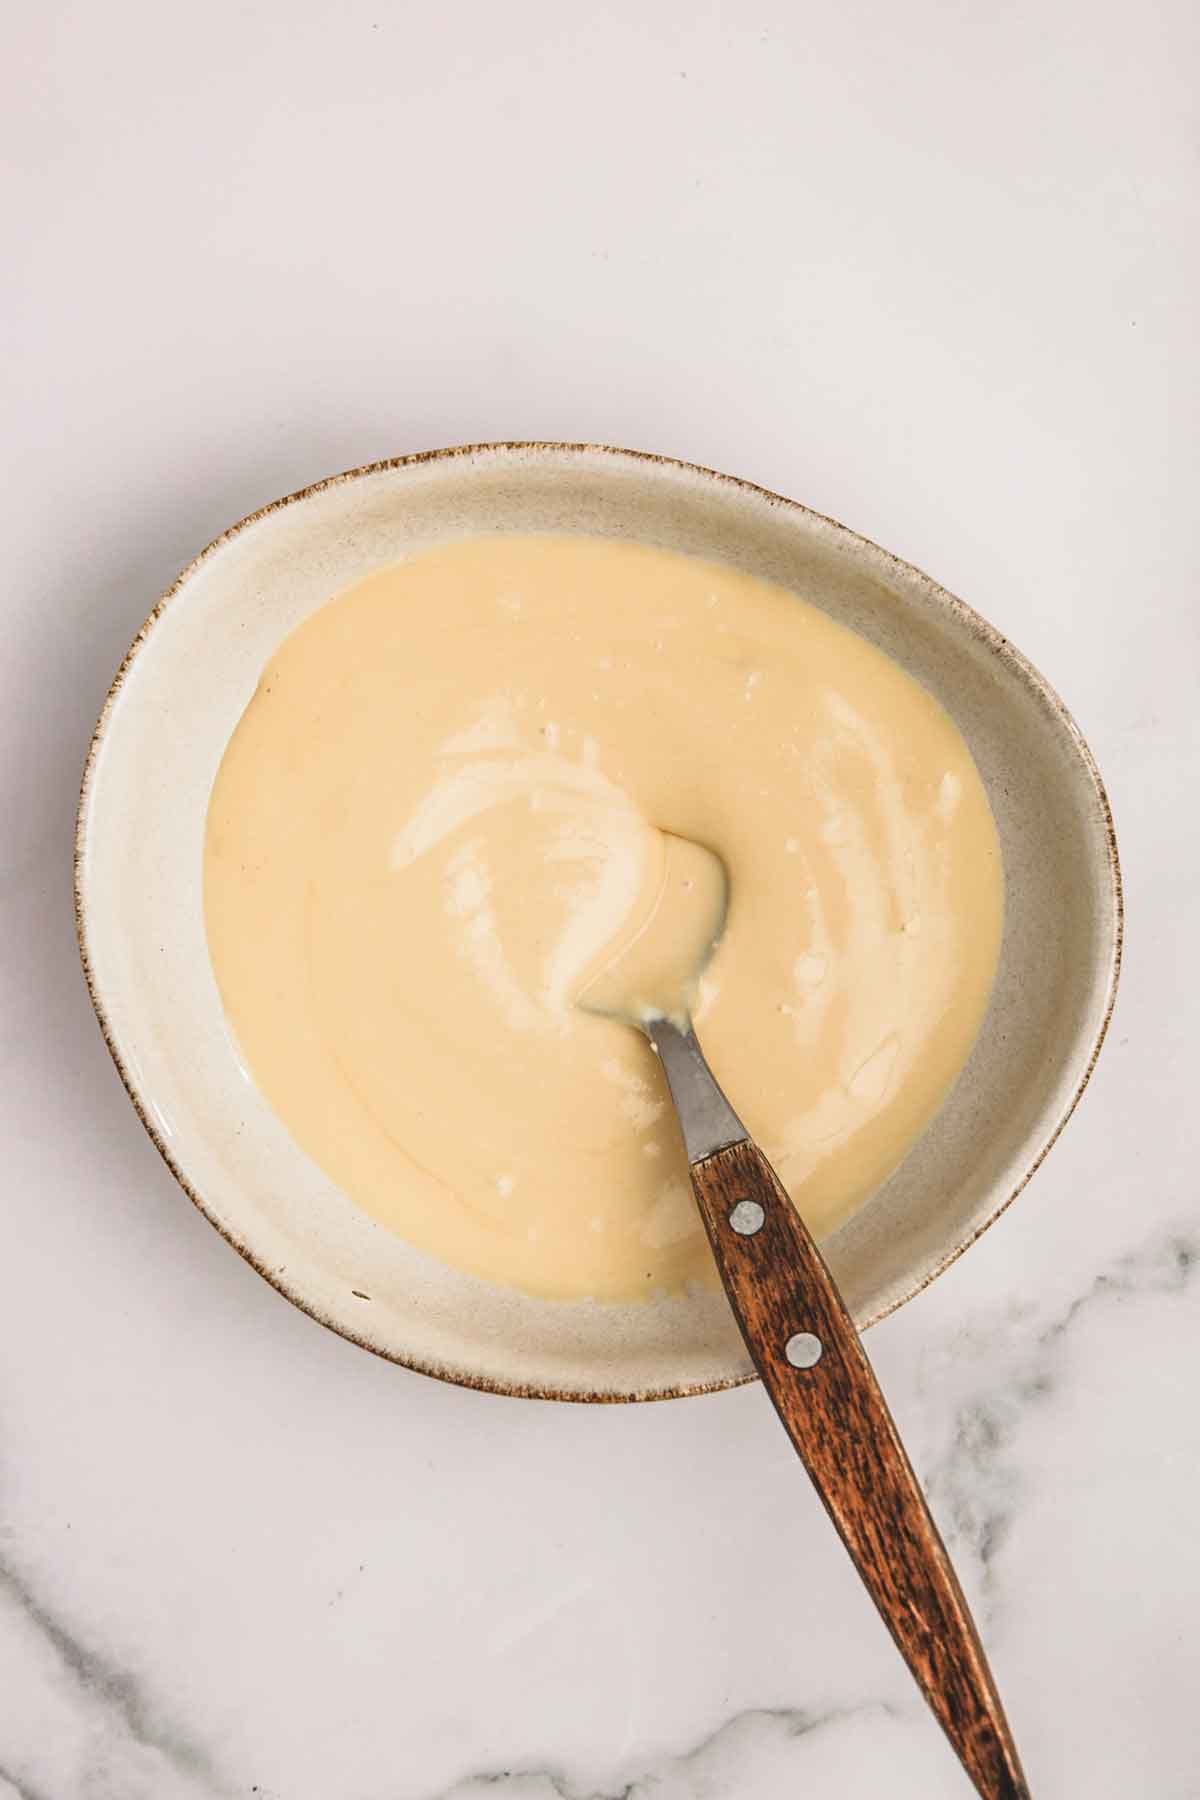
803,1350
747,1218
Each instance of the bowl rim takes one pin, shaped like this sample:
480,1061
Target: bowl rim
885,560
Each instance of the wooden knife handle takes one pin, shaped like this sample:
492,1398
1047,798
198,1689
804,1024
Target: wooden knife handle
813,1366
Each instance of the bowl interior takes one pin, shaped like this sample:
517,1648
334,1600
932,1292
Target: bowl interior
146,791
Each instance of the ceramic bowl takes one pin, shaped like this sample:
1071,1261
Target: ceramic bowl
178,696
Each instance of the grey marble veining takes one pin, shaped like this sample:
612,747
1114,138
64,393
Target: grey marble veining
929,271
92,1724
976,1486
739,1749
80,1692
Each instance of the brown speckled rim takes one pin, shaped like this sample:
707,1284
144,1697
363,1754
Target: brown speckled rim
886,562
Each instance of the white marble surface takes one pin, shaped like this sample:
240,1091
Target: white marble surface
932,270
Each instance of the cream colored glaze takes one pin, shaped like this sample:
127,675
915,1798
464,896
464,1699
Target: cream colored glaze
441,809
652,966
